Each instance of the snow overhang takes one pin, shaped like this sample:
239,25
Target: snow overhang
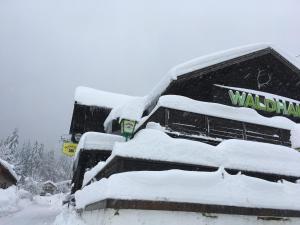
92,97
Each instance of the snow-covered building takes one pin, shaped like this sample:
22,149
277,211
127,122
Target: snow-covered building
8,177
49,187
211,140
261,79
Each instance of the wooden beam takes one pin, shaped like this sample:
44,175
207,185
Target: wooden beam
191,207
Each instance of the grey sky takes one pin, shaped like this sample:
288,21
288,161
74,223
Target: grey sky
49,47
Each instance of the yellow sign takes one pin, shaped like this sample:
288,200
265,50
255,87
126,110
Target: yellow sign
69,148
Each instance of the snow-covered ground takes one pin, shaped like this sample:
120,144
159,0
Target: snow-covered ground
18,207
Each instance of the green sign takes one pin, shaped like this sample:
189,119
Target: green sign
264,104
127,128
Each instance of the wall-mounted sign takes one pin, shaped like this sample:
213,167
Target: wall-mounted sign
262,102
69,148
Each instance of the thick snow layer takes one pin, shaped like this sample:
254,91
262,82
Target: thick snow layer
217,188
93,97
223,111
10,168
295,136
8,200
132,110
99,141
234,154
138,106
157,217
19,207
88,175
218,57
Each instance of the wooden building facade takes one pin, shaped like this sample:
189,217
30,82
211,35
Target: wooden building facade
263,80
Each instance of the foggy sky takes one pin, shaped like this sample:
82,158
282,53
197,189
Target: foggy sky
48,48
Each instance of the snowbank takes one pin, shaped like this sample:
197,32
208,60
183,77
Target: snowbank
217,188
235,154
100,141
10,168
295,136
93,97
8,200
20,207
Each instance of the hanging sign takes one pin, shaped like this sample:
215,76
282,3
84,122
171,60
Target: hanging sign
69,148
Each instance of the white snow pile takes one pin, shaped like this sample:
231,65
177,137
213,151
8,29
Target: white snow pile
217,188
20,207
92,97
88,175
295,136
139,105
8,200
68,216
234,154
99,141
10,168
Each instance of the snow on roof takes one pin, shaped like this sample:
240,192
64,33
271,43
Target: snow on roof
218,57
218,188
64,182
235,154
10,168
50,182
132,110
93,97
137,109
99,141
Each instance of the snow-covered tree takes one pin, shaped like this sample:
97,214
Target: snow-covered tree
9,146
33,163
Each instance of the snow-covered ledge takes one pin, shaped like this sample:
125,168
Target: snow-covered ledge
215,188
295,136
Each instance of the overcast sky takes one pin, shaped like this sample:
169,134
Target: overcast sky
49,47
